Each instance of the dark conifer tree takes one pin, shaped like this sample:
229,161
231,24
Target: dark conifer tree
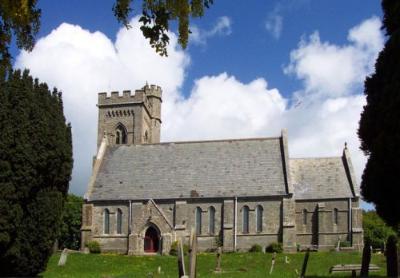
35,169
379,128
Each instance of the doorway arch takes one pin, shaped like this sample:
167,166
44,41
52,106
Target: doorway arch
152,240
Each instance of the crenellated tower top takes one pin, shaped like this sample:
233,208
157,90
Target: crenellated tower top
130,118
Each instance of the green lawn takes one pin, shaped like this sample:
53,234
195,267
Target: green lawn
233,265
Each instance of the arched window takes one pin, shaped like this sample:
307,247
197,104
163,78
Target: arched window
119,221
245,226
259,218
120,135
304,217
198,221
335,216
106,227
211,220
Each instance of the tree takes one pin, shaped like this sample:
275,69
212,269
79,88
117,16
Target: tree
35,170
379,128
70,233
22,17
376,232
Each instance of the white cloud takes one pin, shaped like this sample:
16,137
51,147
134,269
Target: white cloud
274,25
330,70
82,63
221,28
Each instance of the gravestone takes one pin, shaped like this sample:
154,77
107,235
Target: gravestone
63,257
218,264
305,262
181,260
272,263
192,254
366,259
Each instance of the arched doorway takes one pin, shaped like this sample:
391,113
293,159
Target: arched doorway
151,240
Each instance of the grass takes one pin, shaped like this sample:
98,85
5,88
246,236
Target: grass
233,265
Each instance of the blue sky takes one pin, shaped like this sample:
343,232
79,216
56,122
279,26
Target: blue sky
251,68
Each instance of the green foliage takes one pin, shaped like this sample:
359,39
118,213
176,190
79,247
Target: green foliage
274,247
256,248
70,235
35,169
174,249
345,243
21,18
379,128
375,229
94,247
218,240
156,16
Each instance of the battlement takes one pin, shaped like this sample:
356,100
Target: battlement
127,97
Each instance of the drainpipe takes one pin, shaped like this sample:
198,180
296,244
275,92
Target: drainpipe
350,223
235,225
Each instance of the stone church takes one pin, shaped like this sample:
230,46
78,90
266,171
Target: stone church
145,194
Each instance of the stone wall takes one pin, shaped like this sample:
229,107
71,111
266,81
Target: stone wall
139,113
321,223
175,218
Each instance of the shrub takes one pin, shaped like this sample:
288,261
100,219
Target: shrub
274,247
345,244
256,248
174,249
375,229
70,234
218,241
94,246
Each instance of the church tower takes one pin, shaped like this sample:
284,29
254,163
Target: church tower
130,119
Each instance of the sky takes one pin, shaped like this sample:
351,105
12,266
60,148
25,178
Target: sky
251,68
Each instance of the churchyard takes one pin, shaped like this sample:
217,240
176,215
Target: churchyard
232,265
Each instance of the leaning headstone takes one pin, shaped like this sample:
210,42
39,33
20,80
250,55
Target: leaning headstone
305,262
392,259
272,263
63,257
218,264
366,259
192,254
181,260
287,260
338,246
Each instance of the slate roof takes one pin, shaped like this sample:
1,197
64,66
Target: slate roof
245,167
321,178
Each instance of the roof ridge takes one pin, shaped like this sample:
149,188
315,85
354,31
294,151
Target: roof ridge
203,141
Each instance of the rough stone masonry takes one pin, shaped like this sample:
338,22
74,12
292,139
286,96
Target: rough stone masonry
143,194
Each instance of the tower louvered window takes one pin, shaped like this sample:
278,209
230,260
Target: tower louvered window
120,135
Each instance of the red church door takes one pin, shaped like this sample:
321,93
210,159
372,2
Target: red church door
151,240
